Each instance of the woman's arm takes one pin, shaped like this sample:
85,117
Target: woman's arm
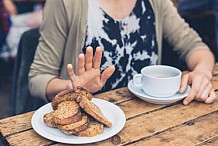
48,56
201,60
197,55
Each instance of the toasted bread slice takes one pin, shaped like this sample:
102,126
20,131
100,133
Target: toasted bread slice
84,92
93,110
76,127
69,95
66,113
77,124
62,96
93,129
48,119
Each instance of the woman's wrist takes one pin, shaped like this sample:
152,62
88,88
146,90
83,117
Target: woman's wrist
57,85
205,69
69,84
201,60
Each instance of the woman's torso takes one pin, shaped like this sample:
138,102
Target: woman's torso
128,43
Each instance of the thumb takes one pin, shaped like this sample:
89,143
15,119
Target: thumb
70,71
107,73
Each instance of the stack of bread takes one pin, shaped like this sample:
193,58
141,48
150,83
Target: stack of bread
74,114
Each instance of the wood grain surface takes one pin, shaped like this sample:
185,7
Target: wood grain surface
147,124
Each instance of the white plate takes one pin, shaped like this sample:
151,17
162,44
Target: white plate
112,112
137,91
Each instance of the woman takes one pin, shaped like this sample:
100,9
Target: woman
129,34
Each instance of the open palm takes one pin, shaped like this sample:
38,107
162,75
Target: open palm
89,75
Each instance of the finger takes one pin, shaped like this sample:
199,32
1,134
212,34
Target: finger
194,90
97,58
184,83
70,71
88,58
212,97
203,95
204,85
81,64
107,73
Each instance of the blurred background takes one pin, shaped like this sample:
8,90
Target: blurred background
16,17
19,16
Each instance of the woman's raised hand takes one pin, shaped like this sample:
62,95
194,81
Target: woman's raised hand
89,75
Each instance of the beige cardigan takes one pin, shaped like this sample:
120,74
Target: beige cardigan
63,34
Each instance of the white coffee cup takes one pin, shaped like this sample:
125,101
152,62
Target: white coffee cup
158,80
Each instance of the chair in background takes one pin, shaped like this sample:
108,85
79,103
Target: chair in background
22,101
203,17
204,24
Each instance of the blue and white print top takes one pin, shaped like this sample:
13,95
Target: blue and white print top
129,43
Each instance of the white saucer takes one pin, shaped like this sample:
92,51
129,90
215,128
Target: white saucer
137,91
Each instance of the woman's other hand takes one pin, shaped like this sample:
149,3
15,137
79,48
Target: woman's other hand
201,86
89,75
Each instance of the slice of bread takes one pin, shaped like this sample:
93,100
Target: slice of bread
82,91
77,127
93,110
66,113
48,119
93,129
69,95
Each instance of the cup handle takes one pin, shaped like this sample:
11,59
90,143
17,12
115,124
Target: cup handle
137,80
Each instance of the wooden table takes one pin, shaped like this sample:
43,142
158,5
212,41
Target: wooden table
147,124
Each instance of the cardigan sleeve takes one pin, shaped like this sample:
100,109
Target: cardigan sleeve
48,57
178,33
